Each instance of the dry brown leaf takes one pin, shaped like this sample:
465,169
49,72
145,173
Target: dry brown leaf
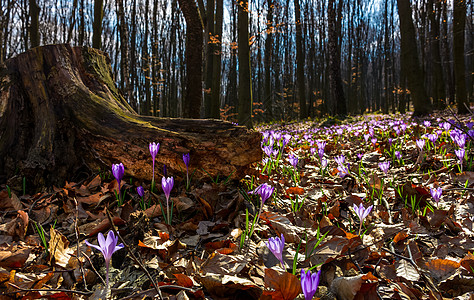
184,280
441,269
228,287
7,203
468,263
345,288
59,248
225,264
285,286
14,259
401,236
407,271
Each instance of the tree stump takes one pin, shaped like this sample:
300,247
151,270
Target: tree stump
63,118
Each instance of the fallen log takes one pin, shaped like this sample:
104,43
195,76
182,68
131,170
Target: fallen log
63,118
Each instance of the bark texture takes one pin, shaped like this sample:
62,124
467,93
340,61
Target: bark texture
62,118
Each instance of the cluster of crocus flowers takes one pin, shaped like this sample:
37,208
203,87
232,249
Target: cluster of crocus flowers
107,247
276,246
362,213
167,186
118,170
309,283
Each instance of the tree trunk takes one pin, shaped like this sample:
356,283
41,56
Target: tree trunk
409,58
193,85
300,63
267,62
245,78
34,26
459,21
209,54
338,100
438,85
216,73
62,118
97,25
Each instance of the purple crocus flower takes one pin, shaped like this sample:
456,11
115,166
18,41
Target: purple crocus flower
321,153
268,150
460,140
360,155
309,283
398,155
293,160
460,154
362,213
390,140
436,194
312,151
265,191
324,163
186,160
276,246
140,191
420,144
384,166
321,144
154,148
167,186
340,160
374,141
446,126
427,123
366,137
432,137
118,171
107,247
343,171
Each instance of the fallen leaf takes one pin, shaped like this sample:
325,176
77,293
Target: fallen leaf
184,280
468,263
14,259
59,248
441,269
345,288
285,285
406,270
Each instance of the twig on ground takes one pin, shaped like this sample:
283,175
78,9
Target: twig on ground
46,290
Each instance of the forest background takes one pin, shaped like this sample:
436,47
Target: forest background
264,60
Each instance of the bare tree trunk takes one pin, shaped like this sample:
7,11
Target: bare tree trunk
64,118
446,54
245,77
155,60
82,26
300,63
409,57
146,65
334,55
439,94
124,60
209,54
216,80
97,25
267,95
34,26
459,23
193,90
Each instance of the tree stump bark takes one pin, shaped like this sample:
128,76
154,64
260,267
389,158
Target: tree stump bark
62,118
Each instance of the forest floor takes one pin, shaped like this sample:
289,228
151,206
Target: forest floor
413,242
